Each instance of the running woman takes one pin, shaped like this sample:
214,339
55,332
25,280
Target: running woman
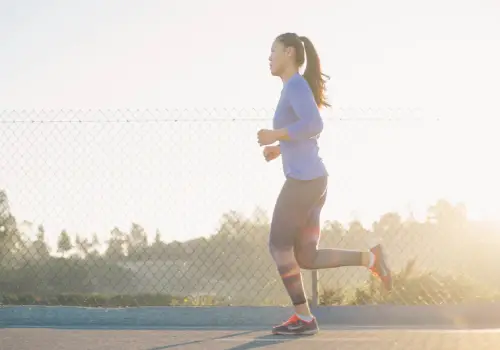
295,226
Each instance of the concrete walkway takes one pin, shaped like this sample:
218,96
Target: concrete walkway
188,339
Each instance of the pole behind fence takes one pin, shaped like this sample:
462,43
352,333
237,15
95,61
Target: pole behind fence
315,293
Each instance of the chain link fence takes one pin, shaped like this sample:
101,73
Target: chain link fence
127,208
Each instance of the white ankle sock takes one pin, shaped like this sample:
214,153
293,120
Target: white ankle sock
305,318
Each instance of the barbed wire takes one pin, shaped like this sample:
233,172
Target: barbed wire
154,121
204,115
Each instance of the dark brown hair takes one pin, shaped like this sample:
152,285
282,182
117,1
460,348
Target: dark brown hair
313,75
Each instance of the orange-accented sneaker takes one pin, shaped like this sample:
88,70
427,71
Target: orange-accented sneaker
297,326
380,268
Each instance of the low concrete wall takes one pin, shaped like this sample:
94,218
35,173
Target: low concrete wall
461,316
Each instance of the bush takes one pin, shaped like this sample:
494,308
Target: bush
411,288
108,301
64,276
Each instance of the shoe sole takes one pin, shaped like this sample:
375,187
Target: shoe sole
383,261
308,332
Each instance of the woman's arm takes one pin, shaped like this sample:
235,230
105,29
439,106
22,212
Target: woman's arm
302,101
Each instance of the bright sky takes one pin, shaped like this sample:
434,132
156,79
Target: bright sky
431,64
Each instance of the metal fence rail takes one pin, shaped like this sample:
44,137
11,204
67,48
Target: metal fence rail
172,207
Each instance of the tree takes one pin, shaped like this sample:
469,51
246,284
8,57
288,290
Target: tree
83,245
10,237
157,238
444,212
333,233
389,226
95,240
334,227
40,250
233,223
137,242
116,245
447,215
260,217
64,244
158,247
357,235
93,245
356,228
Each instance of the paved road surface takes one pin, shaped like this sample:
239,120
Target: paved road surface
356,339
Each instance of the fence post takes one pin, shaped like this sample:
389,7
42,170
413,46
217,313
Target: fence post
315,295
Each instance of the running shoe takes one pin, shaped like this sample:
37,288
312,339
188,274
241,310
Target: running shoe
380,268
296,326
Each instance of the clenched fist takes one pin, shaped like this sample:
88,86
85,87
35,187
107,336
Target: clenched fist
271,152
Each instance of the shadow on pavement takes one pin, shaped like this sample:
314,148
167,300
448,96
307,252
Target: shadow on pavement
201,340
263,341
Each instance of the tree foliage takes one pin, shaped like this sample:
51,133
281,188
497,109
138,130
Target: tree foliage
235,264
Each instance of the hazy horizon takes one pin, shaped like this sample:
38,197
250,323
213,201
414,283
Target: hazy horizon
413,88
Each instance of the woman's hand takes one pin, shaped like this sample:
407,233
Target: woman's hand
271,152
267,137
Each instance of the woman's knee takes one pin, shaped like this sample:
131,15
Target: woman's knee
305,260
280,246
282,256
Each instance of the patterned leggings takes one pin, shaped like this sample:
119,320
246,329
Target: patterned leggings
295,234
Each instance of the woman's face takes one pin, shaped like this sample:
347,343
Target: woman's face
279,58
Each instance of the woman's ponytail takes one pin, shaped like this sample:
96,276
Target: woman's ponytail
313,75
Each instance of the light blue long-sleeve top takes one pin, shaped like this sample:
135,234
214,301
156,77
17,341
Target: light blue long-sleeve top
297,111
